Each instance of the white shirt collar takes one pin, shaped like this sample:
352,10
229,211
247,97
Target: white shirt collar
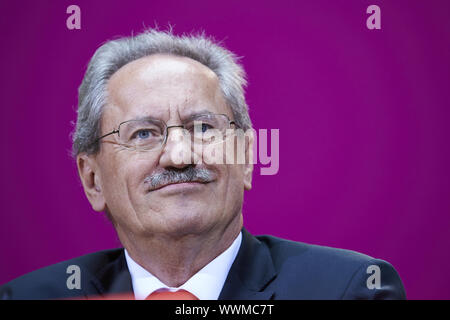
205,284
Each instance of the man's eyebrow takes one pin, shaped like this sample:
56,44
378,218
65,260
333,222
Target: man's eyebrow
187,117
197,113
144,118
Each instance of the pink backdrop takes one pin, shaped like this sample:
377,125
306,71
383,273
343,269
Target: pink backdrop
363,118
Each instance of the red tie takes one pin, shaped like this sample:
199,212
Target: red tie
168,295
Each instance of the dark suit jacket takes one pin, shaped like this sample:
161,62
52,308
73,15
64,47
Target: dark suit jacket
265,268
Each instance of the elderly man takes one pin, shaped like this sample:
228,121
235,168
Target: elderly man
143,101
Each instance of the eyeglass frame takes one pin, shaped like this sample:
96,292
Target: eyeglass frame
166,133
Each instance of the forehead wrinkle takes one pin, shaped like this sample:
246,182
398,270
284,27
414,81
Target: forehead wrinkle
131,89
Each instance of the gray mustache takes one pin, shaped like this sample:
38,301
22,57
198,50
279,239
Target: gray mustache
170,176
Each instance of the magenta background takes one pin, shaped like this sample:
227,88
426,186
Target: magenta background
363,118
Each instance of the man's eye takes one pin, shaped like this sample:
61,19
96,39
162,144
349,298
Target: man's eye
203,127
142,134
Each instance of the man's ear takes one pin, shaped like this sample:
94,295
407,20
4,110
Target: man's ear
91,180
248,167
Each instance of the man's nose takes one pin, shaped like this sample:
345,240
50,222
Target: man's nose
178,150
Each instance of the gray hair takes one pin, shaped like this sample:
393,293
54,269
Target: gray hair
114,54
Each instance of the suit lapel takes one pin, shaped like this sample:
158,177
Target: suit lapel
250,273
114,278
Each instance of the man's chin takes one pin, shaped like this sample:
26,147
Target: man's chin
179,223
